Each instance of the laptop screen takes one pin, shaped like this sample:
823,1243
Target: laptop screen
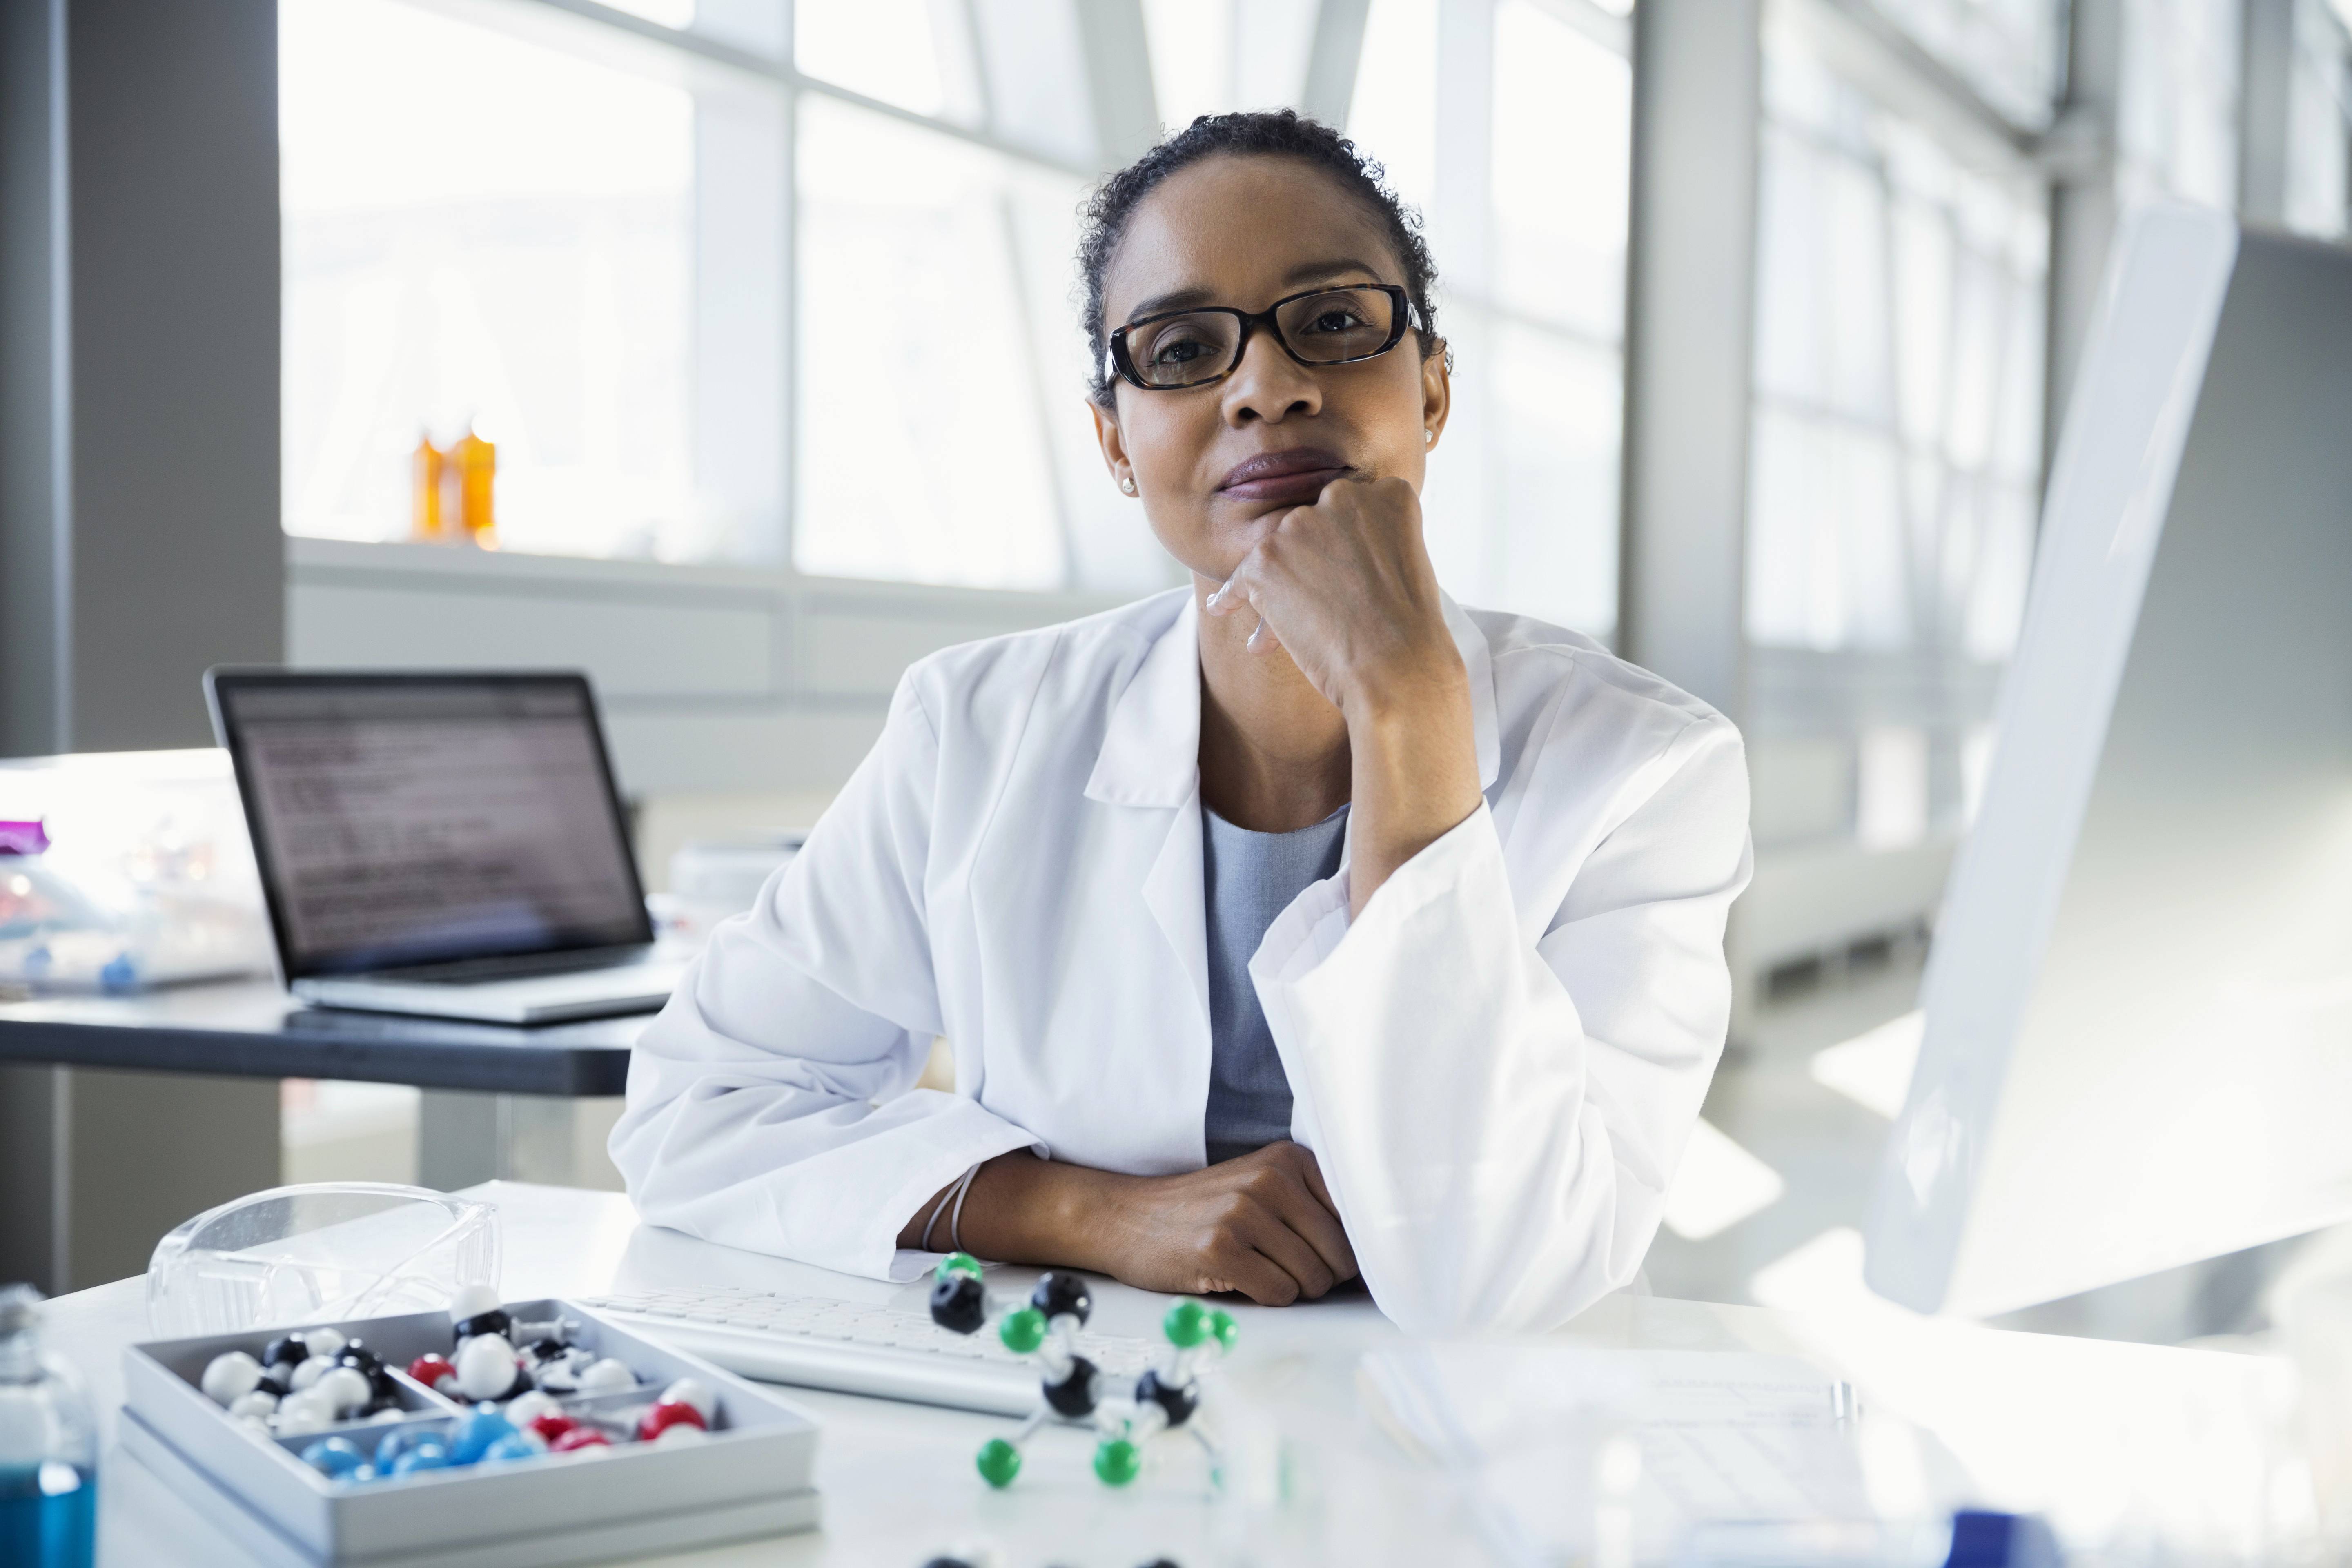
416,819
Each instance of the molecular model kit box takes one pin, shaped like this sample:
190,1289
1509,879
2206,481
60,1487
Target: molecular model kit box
331,1453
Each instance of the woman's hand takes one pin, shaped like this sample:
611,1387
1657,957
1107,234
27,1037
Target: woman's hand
1262,1225
1344,586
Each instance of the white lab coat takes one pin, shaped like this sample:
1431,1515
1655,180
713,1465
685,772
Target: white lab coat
1497,1065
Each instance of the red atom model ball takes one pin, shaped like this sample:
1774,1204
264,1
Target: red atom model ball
579,1437
429,1370
669,1412
551,1425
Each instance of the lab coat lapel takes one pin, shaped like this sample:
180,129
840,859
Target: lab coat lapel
1173,892
1150,759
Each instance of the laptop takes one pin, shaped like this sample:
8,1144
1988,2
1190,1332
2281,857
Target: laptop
448,845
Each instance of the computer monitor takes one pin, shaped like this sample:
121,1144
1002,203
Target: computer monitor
2138,1008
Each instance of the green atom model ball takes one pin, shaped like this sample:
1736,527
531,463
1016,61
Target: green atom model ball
998,1462
1186,1324
1022,1331
1117,1461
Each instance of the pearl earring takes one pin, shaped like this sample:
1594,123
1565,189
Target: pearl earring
1127,485
1429,438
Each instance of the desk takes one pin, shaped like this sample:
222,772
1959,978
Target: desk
212,1127
250,1028
2038,1422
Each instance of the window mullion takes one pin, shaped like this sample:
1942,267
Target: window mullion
789,445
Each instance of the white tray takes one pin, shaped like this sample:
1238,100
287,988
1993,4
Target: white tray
641,1536
752,1477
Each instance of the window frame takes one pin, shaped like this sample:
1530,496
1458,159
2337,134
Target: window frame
686,57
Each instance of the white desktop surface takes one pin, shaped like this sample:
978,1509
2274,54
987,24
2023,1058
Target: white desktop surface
2090,1431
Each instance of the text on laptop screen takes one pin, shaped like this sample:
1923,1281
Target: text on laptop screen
416,821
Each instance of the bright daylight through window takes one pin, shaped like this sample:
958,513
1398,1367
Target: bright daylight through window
571,235
483,228
1897,441
936,348
1895,430
1521,167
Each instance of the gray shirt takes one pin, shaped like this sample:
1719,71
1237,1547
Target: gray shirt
1250,879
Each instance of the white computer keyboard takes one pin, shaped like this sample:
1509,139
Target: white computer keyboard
818,1341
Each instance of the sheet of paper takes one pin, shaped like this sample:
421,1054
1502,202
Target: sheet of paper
1557,1443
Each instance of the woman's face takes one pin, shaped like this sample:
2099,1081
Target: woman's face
1244,231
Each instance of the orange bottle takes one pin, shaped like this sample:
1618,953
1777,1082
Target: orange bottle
425,523
476,462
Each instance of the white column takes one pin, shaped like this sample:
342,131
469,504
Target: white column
1332,58
2265,108
1689,332
742,215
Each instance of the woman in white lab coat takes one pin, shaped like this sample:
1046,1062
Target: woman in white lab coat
1294,924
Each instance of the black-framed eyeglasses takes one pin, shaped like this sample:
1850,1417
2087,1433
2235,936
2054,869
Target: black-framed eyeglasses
1178,349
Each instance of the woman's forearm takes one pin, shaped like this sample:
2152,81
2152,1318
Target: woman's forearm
1413,765
1262,1223
1020,1209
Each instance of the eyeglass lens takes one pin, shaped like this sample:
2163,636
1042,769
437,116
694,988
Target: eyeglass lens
1328,328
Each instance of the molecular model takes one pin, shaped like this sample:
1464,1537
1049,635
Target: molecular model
1046,1326
508,1390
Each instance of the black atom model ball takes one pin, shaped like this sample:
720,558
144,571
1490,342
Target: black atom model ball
1059,1295
959,1303
1179,1401
494,1322
1077,1394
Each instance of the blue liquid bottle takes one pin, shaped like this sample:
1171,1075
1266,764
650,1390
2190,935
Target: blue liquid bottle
48,1470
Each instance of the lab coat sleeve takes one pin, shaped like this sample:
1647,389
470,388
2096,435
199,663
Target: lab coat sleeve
770,1105
1498,1110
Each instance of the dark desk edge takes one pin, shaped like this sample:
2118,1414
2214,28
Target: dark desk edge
526,1065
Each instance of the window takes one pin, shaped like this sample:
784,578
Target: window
574,233
940,376
1895,428
1519,160
1895,452
910,52
735,280
2012,52
2177,114
1393,114
478,227
2319,121
1210,56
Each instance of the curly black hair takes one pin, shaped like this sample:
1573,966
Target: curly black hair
1275,133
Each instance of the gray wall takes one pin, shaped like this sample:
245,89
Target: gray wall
95,1166
32,141
139,466
138,517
